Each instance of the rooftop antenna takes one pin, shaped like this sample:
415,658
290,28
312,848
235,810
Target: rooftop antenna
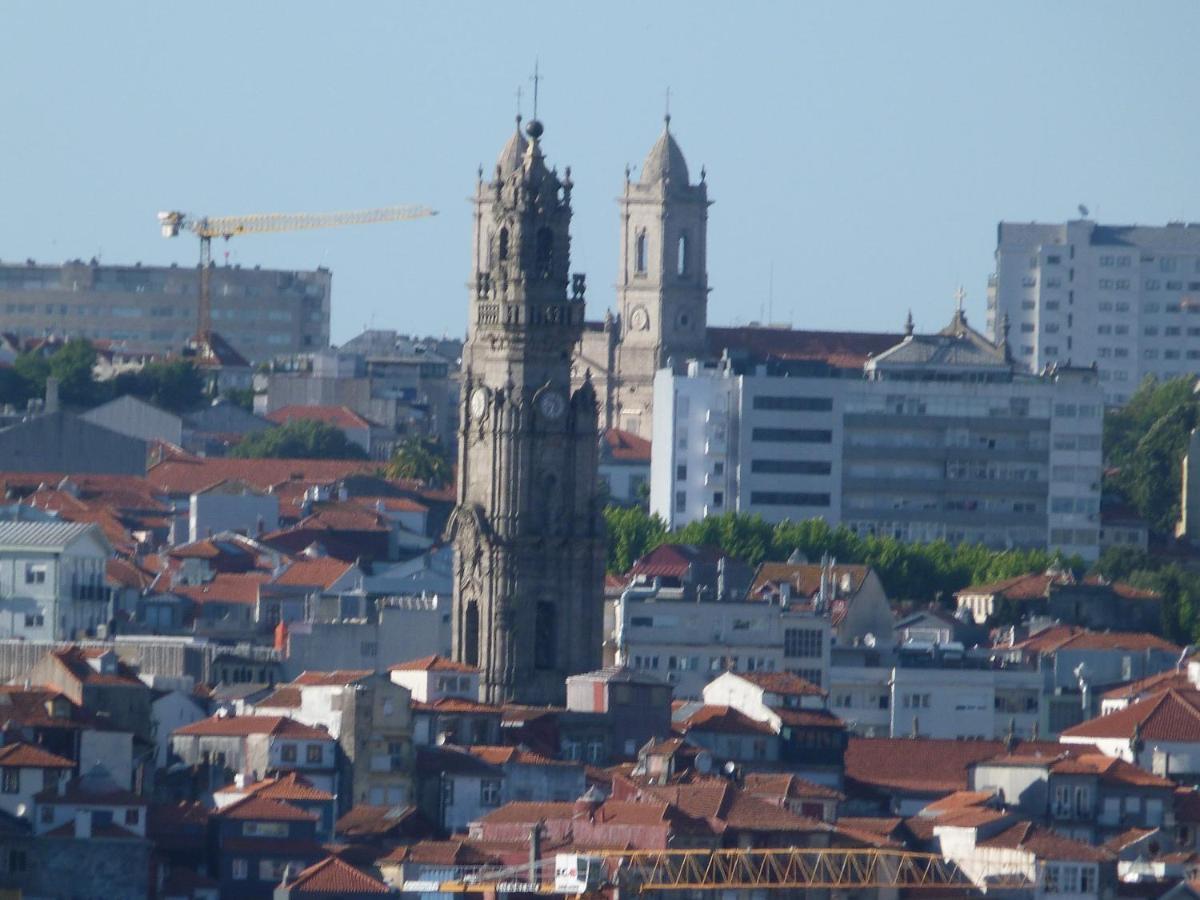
535,78
667,109
518,103
959,296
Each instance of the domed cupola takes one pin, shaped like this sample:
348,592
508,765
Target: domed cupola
665,160
513,153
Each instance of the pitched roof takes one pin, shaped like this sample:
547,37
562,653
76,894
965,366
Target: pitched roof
75,661
432,663
239,726
805,578
674,560
337,416
259,808
924,765
366,820
1172,715
290,787
334,678
1044,844
785,785
1150,685
724,806
625,446
283,697
241,588
320,572
50,535
188,476
28,756
1111,770
1059,637
334,876
500,756
786,684
721,719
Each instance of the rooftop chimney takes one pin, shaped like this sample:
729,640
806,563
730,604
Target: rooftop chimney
51,394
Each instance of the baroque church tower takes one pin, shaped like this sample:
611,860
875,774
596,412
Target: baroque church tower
528,532
662,286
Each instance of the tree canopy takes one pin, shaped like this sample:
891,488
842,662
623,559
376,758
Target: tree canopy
422,459
924,572
1144,443
1179,587
299,439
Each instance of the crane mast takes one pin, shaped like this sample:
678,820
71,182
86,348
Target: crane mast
208,227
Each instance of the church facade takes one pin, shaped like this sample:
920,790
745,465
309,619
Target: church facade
528,528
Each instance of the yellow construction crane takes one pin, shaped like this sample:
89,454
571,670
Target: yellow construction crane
644,871
209,227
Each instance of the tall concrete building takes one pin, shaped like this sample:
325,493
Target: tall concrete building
662,288
940,436
528,532
1125,297
260,312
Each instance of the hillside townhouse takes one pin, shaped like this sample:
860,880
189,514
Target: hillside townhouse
256,840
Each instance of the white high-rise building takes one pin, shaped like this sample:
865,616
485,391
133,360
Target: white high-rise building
1125,297
941,437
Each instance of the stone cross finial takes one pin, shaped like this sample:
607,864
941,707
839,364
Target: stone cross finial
959,296
535,78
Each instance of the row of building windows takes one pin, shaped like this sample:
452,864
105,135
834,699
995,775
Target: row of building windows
794,404
791,467
793,435
788,498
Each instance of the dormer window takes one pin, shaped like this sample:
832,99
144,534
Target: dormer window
639,253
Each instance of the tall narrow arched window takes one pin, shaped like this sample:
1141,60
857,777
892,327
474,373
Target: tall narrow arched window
639,253
504,243
681,257
470,649
545,634
544,251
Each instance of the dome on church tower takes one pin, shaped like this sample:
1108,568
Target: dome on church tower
513,152
665,160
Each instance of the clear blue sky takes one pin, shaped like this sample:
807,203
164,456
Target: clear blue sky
864,150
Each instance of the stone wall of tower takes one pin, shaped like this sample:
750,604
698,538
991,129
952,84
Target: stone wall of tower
662,283
528,531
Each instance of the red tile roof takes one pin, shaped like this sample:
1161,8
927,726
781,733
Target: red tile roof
28,756
335,678
432,663
723,720
333,876
1151,685
785,786
805,579
337,416
500,756
1059,637
924,765
674,560
240,726
290,787
786,684
258,808
724,806
320,572
1037,586
626,446
364,820
444,853
186,476
226,587
808,718
389,504
457,705
957,801
1044,844
1111,770
284,697
1172,715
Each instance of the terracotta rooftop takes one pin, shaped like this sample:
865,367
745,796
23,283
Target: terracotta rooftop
337,416
432,663
1044,844
187,476
335,678
724,806
786,684
500,756
1111,771
238,726
1059,637
675,560
840,349
28,756
321,572
1152,685
924,765
364,820
625,446
290,787
805,579
336,877
225,587
75,661
1037,585
258,808
283,697
784,785
1172,715
723,720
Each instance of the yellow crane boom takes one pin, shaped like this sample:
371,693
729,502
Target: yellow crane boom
209,227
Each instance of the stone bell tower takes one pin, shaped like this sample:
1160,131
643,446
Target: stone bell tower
662,285
528,532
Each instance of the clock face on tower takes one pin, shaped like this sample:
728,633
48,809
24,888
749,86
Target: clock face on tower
479,401
551,404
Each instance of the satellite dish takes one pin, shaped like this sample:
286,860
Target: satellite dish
730,768
869,639
1083,210
22,809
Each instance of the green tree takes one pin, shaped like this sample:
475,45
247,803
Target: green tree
173,385
299,439
420,459
241,397
72,365
632,533
32,369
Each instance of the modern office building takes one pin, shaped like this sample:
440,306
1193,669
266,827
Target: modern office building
1125,297
942,436
260,312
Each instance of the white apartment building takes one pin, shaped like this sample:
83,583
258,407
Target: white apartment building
941,436
52,580
1125,297
689,643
